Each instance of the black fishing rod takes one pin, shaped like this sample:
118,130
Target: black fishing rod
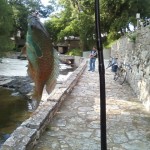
102,77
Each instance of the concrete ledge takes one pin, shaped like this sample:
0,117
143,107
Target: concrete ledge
26,136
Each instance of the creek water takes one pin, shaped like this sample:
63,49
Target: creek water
13,111
14,108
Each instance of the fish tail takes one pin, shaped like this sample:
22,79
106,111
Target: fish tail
51,86
35,99
38,90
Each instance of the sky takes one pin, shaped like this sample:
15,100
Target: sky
45,2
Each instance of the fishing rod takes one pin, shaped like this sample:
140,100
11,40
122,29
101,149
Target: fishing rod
102,77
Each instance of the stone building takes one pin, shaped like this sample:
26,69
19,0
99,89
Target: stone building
69,43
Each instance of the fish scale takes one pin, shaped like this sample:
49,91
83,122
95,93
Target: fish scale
43,61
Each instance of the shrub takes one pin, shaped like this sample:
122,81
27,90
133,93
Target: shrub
74,52
132,37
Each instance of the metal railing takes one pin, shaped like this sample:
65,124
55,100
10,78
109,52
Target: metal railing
142,24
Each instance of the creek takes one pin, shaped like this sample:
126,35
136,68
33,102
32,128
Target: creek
15,108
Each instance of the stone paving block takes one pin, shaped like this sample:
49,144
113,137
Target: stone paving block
57,95
39,116
19,139
77,124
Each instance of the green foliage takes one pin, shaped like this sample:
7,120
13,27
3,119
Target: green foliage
74,52
6,46
116,15
13,16
5,18
113,36
6,26
132,37
62,24
77,19
109,44
21,10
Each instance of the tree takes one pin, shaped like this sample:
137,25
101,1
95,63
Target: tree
6,25
22,8
13,17
117,15
77,19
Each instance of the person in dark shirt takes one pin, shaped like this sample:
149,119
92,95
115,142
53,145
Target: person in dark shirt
93,56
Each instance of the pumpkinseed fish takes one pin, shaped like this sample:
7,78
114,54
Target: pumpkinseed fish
42,59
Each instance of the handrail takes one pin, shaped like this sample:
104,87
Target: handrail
144,23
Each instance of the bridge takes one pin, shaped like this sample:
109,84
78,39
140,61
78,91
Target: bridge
70,118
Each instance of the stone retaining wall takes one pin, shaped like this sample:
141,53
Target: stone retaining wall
28,133
135,50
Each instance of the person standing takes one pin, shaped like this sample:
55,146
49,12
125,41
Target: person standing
93,56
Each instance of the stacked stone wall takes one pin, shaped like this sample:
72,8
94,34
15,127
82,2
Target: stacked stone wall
134,49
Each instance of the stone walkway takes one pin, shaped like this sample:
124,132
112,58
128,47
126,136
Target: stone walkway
77,125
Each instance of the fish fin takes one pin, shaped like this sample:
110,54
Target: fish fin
50,84
37,50
31,71
35,41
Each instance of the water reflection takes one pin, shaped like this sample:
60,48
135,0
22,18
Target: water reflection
13,111
64,69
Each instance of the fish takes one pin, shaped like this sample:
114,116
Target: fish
43,62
